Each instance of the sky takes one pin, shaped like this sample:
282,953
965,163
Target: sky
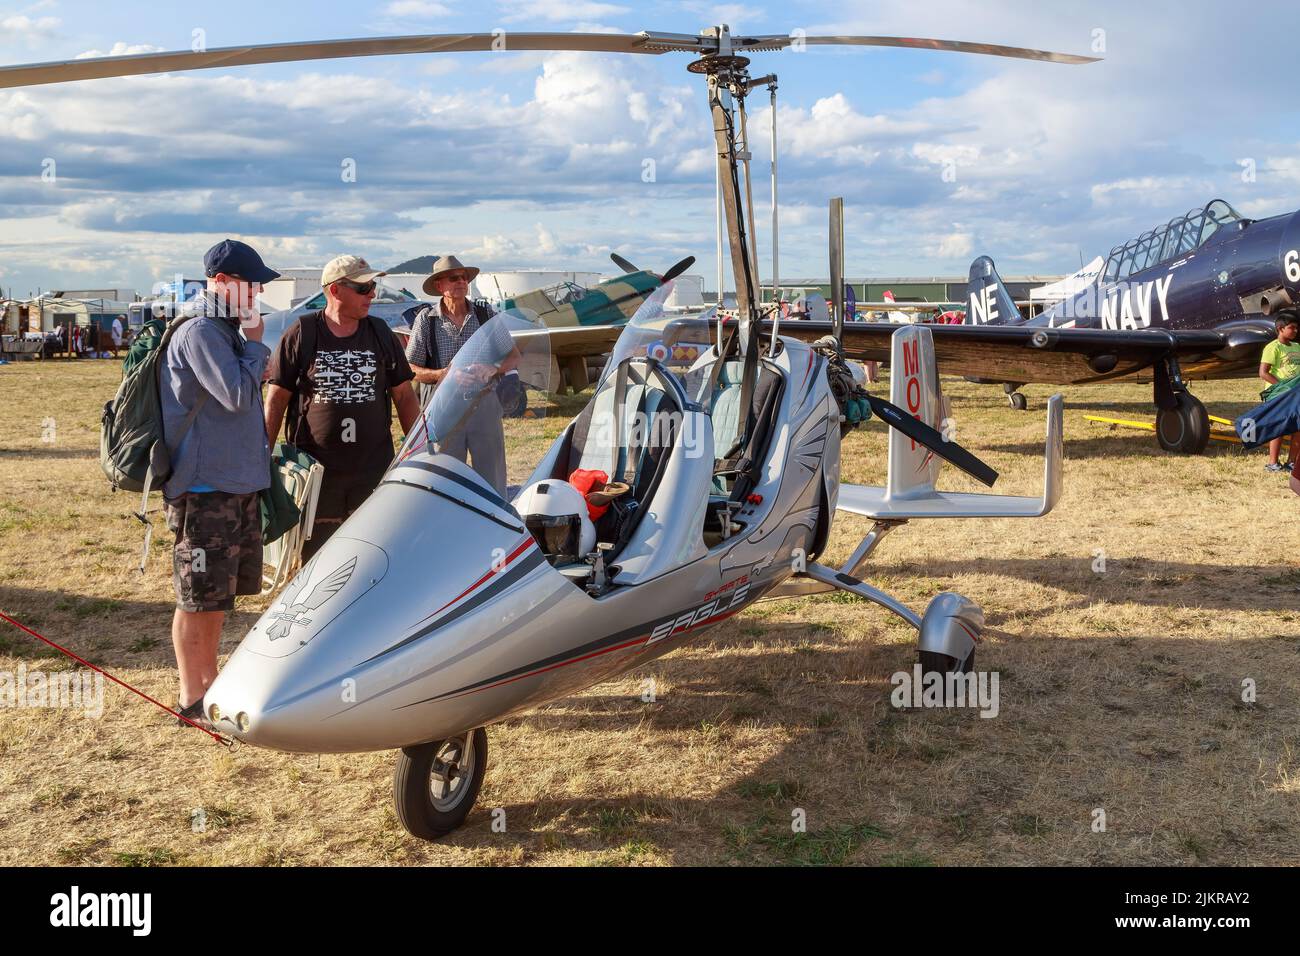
552,161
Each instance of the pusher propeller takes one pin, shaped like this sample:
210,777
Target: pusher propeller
919,431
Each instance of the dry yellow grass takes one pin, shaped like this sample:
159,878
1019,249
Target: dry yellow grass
1119,691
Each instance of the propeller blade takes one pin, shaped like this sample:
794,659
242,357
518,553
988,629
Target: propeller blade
94,68
678,269
623,263
925,43
918,430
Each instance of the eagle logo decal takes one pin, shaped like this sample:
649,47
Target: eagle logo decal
290,611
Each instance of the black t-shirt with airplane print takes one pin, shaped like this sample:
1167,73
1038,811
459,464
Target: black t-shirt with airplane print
343,411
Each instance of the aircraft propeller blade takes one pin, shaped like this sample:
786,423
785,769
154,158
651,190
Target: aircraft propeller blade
100,67
623,263
917,430
678,269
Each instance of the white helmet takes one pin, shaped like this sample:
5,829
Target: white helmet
556,514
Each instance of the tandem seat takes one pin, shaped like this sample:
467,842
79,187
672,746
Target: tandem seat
737,456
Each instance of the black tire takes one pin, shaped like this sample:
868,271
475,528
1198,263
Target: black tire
933,662
1184,429
423,814
1018,401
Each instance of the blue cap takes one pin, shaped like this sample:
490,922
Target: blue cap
236,258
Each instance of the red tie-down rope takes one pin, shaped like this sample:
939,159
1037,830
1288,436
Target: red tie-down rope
22,627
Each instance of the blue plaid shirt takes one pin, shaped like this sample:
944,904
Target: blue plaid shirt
436,340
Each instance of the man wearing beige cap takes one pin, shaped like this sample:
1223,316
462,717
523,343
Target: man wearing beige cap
438,332
334,372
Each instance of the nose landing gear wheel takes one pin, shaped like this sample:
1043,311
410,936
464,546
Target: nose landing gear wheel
933,662
1184,428
435,784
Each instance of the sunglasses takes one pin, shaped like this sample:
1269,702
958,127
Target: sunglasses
356,287
455,276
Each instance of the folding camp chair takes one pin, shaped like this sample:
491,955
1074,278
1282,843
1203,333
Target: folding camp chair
282,558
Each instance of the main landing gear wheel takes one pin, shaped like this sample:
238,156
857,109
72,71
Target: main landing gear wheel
1184,428
435,784
1018,401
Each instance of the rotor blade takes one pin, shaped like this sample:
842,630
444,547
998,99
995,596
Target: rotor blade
623,263
93,68
952,46
918,430
678,269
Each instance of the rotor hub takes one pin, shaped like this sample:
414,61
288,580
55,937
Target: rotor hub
714,63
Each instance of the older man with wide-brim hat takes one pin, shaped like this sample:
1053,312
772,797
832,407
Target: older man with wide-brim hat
438,332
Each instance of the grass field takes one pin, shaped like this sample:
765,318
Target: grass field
1120,690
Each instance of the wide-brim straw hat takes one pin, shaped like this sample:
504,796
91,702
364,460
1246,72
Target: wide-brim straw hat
444,265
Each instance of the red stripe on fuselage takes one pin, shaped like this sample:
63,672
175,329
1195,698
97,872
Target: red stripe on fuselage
617,647
523,546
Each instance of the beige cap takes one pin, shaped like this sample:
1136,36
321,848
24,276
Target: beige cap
348,267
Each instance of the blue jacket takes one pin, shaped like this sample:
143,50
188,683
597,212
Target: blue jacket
226,447
1277,417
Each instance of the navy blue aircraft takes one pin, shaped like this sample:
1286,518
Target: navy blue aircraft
1192,299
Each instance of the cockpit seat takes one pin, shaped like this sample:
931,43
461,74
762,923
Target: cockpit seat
738,456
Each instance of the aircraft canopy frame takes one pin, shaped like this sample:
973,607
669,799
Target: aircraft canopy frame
1178,237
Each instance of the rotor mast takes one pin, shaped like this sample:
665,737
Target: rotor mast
727,79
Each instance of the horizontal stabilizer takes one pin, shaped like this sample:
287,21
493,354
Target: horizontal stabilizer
874,502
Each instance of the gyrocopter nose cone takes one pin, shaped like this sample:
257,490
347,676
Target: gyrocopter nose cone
393,603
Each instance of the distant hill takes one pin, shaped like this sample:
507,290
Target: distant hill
418,264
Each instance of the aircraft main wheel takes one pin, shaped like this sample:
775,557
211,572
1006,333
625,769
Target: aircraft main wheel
1018,401
1184,428
435,784
933,662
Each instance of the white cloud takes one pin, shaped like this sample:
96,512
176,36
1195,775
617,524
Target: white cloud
121,49
955,245
39,27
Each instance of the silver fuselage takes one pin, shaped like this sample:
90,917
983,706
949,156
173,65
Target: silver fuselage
442,614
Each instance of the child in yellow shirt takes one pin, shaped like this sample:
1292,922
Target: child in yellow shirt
1279,365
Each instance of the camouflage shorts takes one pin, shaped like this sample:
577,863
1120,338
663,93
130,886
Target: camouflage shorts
218,551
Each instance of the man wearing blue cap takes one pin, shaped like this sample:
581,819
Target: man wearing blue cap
211,393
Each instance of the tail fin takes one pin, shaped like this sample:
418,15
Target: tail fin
894,316
989,301
914,387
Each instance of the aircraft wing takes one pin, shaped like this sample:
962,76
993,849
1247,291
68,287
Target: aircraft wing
566,342
575,341
1025,354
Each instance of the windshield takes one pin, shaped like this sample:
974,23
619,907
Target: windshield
674,340
506,364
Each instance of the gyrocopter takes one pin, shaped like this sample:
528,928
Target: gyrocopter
441,606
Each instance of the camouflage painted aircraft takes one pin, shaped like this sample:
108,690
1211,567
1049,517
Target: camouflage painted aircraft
586,321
